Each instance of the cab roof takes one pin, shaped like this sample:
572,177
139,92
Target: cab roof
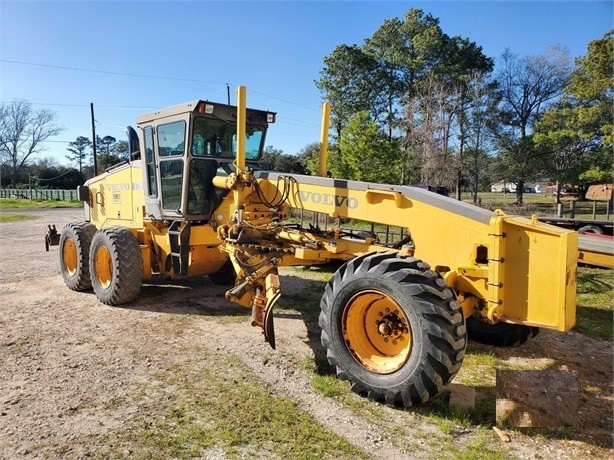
208,109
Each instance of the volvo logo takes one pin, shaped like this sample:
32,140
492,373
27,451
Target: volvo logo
326,199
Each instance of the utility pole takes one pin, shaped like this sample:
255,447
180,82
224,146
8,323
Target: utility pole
94,139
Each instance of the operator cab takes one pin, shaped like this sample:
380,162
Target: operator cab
184,147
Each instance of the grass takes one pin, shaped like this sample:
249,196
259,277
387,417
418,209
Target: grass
595,318
228,410
10,203
5,218
595,303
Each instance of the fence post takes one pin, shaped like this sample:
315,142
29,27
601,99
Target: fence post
559,210
572,208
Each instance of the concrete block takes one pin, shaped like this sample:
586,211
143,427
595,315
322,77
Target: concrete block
537,398
462,396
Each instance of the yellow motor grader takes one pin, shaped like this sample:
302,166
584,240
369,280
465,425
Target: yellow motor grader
192,201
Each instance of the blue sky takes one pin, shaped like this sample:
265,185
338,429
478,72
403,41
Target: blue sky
138,56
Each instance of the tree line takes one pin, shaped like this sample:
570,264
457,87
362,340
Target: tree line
23,132
413,105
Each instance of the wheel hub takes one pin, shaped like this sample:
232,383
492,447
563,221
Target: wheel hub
392,327
376,332
69,252
104,268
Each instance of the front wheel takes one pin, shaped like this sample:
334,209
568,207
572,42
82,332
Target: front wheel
225,276
392,328
116,266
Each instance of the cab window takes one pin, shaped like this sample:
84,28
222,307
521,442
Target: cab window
171,179
150,162
218,138
171,139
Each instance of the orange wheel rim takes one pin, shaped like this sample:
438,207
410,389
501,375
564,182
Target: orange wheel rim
69,254
376,332
104,269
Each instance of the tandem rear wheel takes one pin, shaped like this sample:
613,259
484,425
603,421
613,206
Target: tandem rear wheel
500,334
75,242
392,328
116,266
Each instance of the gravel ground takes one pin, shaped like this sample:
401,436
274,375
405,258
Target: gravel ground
67,360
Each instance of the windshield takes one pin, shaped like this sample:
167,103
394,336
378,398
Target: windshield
218,138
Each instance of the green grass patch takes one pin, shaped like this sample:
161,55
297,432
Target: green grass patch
330,386
595,302
4,218
9,203
481,447
221,404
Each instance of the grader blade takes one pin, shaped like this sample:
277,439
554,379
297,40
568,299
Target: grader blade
269,328
273,293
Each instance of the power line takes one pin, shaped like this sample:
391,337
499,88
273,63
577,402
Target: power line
121,107
124,74
108,72
110,126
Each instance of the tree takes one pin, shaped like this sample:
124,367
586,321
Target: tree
106,153
364,149
564,147
347,81
528,87
578,131
275,160
106,144
122,149
386,73
46,173
311,157
406,50
477,113
22,133
78,150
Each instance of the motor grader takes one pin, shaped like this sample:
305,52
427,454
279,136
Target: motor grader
193,202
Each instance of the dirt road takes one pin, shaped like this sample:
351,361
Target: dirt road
76,373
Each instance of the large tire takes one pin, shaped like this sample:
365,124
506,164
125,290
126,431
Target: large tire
392,328
500,334
225,276
75,242
116,266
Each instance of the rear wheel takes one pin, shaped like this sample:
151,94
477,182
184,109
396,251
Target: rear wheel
500,334
75,242
392,328
116,266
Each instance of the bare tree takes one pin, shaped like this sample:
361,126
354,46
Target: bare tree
477,114
22,132
529,86
429,120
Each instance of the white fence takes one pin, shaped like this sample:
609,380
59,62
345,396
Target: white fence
39,194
